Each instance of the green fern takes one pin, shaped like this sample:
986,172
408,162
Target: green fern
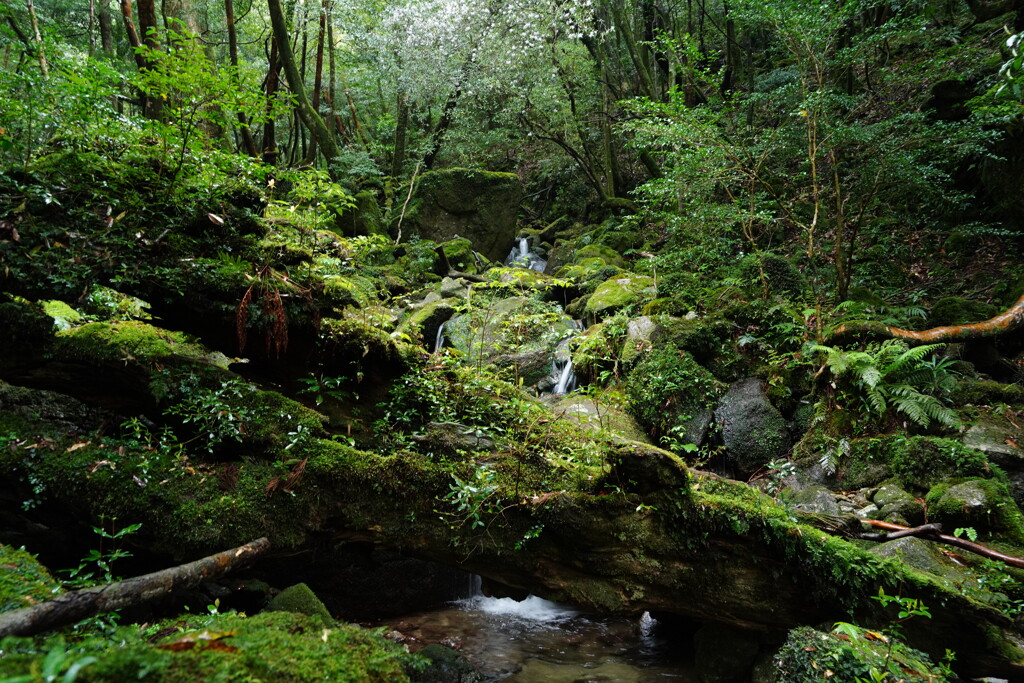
894,377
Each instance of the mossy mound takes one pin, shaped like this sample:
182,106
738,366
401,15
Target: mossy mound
620,292
298,598
364,218
273,646
670,394
954,310
982,504
770,274
23,581
459,202
609,256
850,655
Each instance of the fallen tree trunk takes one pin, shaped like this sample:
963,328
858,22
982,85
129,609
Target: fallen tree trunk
1008,320
77,605
931,532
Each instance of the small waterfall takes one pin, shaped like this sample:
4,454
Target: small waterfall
522,257
439,340
566,378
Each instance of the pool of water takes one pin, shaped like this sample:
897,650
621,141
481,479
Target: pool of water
535,641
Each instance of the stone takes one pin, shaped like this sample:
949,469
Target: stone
451,437
478,205
618,292
445,666
602,412
753,430
298,598
817,500
724,654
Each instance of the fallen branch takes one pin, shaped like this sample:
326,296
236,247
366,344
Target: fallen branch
1008,320
931,533
77,605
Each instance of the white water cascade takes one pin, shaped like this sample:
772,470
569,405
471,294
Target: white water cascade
439,340
522,257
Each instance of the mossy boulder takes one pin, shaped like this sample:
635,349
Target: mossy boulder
983,504
478,205
772,274
753,430
423,322
603,411
670,394
922,555
445,665
954,310
23,581
608,255
619,292
298,598
362,219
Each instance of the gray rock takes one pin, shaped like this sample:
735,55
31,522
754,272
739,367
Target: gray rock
451,437
753,430
919,554
890,493
446,666
816,499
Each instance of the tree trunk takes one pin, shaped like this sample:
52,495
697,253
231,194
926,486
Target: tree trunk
269,129
310,118
106,29
77,605
1007,321
243,125
401,128
38,38
318,73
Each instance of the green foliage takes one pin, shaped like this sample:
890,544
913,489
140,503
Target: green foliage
667,389
473,499
892,377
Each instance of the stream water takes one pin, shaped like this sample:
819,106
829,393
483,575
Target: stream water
537,641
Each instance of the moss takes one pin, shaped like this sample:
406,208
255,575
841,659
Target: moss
666,306
273,646
984,504
780,276
341,291
607,255
459,253
986,392
364,218
619,292
915,462
124,341
298,598
957,311
23,581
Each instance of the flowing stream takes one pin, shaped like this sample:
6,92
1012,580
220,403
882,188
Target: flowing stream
523,257
537,641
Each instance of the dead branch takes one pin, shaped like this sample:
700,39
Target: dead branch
1007,321
931,532
77,605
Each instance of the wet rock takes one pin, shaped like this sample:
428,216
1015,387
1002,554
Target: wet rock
451,437
919,554
724,654
458,202
603,412
753,430
897,506
445,666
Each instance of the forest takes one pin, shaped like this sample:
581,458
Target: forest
695,322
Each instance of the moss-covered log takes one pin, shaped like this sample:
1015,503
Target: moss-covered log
77,605
1007,321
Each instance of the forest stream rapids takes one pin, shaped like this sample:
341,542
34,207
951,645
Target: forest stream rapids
537,641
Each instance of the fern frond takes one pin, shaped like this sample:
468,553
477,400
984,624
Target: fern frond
913,408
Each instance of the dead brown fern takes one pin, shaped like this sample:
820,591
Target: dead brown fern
266,294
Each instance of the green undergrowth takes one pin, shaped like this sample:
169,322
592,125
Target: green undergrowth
272,646
23,581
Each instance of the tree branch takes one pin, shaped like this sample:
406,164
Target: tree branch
77,605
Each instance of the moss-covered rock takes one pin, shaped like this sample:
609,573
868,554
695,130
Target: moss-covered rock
954,310
670,394
445,665
619,292
771,274
298,598
983,504
458,202
608,255
23,581
753,430
362,219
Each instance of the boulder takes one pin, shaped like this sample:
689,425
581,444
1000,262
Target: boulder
298,598
445,665
619,292
753,430
480,206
